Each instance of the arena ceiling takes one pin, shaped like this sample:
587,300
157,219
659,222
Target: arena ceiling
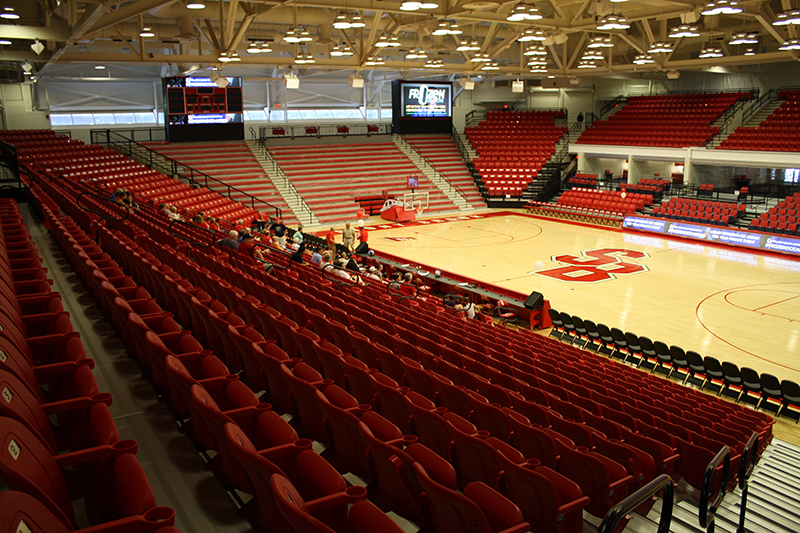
50,35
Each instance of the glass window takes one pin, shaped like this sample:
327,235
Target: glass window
324,114
338,113
308,114
83,119
144,118
792,175
354,113
255,115
104,118
124,118
372,113
61,120
277,115
293,114
386,113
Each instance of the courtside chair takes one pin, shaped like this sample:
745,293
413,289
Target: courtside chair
770,388
696,366
714,373
620,344
634,347
732,377
751,382
679,362
595,342
569,328
649,359
790,393
607,347
663,357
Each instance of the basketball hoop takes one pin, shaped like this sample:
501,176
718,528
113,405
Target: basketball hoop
420,210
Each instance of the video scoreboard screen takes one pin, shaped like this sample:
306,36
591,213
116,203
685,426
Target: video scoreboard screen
425,100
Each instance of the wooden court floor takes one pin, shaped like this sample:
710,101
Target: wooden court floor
728,303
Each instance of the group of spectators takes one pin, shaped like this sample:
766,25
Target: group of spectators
123,197
348,238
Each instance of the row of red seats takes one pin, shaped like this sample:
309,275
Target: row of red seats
579,214
45,372
613,199
776,133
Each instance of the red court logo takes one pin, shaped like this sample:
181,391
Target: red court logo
400,239
594,266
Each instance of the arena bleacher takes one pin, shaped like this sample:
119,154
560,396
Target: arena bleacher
777,133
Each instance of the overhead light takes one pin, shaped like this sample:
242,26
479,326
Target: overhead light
618,1
224,57
429,5
474,45
254,48
5,41
535,50
673,74
684,30
592,55
587,64
643,59
523,11
356,21
342,21
374,61
600,42
792,44
356,81
434,63
660,48
613,22
417,53
720,7
491,66
37,47
303,35
297,35
147,31
304,59
235,57
463,46
291,81
442,28
195,4
265,48
538,70
744,38
336,51
454,29
480,58
467,84
710,51
532,34
783,19
27,67
536,62
8,13
383,41
410,6
99,67
750,52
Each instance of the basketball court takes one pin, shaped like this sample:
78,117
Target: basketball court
729,303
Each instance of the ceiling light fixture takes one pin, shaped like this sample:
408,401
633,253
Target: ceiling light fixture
454,29
195,4
434,63
474,45
523,11
5,41
750,52
744,38
710,51
536,62
463,46
235,57
613,22
480,58
792,44
600,42
684,30
720,7
643,59
781,19
592,55
99,67
587,64
535,50
491,66
538,70
147,31
532,34
265,48
410,6
224,58
356,21
442,28
382,42
9,13
374,61
660,48
342,21
254,48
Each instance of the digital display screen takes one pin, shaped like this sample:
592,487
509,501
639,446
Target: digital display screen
715,234
413,181
425,100
198,81
216,118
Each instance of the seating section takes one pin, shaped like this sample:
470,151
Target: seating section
704,211
444,155
330,177
670,120
108,170
652,186
705,189
512,148
777,133
457,398
77,454
235,165
581,179
784,218
613,201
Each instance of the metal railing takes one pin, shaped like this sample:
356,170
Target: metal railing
618,512
436,173
138,134
612,104
708,510
758,103
288,131
462,145
175,169
10,161
749,459
727,119
591,118
276,168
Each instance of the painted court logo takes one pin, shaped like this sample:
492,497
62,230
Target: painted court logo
400,239
594,266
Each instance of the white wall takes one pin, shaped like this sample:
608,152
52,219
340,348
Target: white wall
18,111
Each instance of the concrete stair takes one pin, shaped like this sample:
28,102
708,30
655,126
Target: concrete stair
441,152
235,165
330,177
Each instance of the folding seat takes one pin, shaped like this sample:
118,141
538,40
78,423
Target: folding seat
478,510
342,416
357,379
272,360
200,369
603,480
303,381
330,359
694,459
427,423
389,400
552,501
452,397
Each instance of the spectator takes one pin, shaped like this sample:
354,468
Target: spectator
260,220
316,257
330,238
198,220
174,215
278,229
239,227
213,224
363,236
348,237
299,233
580,121
230,241
373,273
295,244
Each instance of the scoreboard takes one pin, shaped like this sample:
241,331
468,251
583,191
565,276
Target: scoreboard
198,96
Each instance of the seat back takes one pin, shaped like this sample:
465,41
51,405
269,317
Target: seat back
427,423
342,415
303,382
602,480
475,459
389,400
450,510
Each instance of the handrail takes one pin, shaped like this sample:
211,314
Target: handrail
399,294
432,166
183,222
338,280
462,147
253,133
618,512
758,103
98,213
749,458
708,511
276,167
612,104
173,170
591,117
728,116
270,250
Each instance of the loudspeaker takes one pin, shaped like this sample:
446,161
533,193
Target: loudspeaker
534,301
362,248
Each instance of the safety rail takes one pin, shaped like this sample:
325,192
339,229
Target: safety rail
137,134
400,295
276,168
194,227
462,146
353,279
270,250
10,161
174,168
591,118
708,511
758,103
612,104
749,459
618,512
287,131
103,216
727,118
253,134
436,173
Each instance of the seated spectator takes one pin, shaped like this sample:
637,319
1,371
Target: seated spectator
198,220
230,241
316,257
213,224
295,245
